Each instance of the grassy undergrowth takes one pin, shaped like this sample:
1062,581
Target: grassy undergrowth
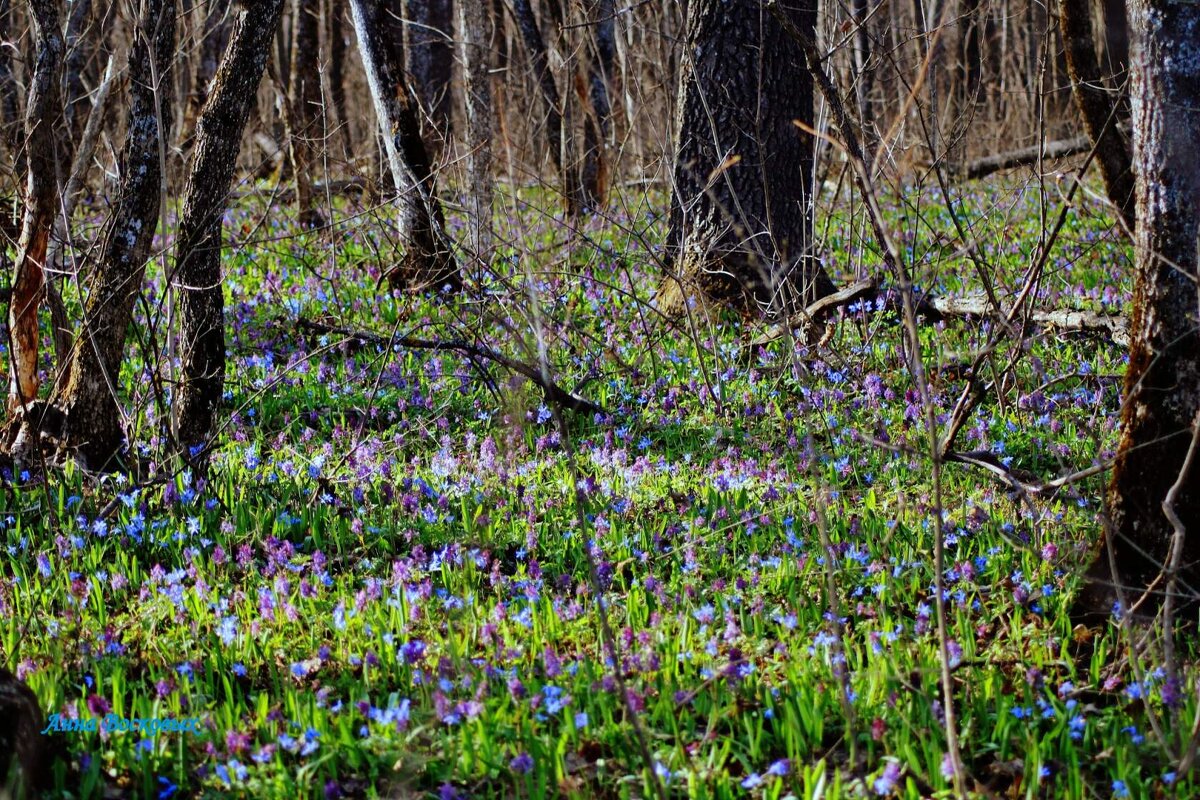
381,588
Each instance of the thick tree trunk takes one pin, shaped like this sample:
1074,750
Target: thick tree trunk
427,262
305,109
198,241
741,209
1162,385
1097,105
598,118
475,40
431,62
83,414
42,113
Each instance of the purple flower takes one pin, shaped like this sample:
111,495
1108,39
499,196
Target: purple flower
98,705
885,784
521,764
780,768
412,651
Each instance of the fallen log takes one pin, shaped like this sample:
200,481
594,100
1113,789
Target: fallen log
1115,328
982,167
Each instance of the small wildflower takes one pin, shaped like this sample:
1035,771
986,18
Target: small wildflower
885,784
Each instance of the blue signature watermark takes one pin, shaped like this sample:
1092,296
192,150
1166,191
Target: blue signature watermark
115,723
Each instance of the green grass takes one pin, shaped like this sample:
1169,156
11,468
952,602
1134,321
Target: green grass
381,588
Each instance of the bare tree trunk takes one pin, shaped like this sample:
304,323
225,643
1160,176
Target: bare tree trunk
1097,105
42,114
336,34
215,34
863,74
78,41
1116,43
427,262
598,118
197,276
557,135
10,139
62,329
83,414
10,123
475,41
741,208
305,109
1151,479
431,61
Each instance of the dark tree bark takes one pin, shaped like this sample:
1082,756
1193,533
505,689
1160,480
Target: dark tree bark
79,42
10,138
214,35
1098,105
198,241
558,133
336,33
474,35
427,262
10,122
431,62
21,727
862,71
82,414
1153,479
598,119
305,108
43,111
740,210
1116,42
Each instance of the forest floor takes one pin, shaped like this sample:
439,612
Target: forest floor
384,588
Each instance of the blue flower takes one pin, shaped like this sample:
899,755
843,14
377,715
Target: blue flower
1120,789
751,781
